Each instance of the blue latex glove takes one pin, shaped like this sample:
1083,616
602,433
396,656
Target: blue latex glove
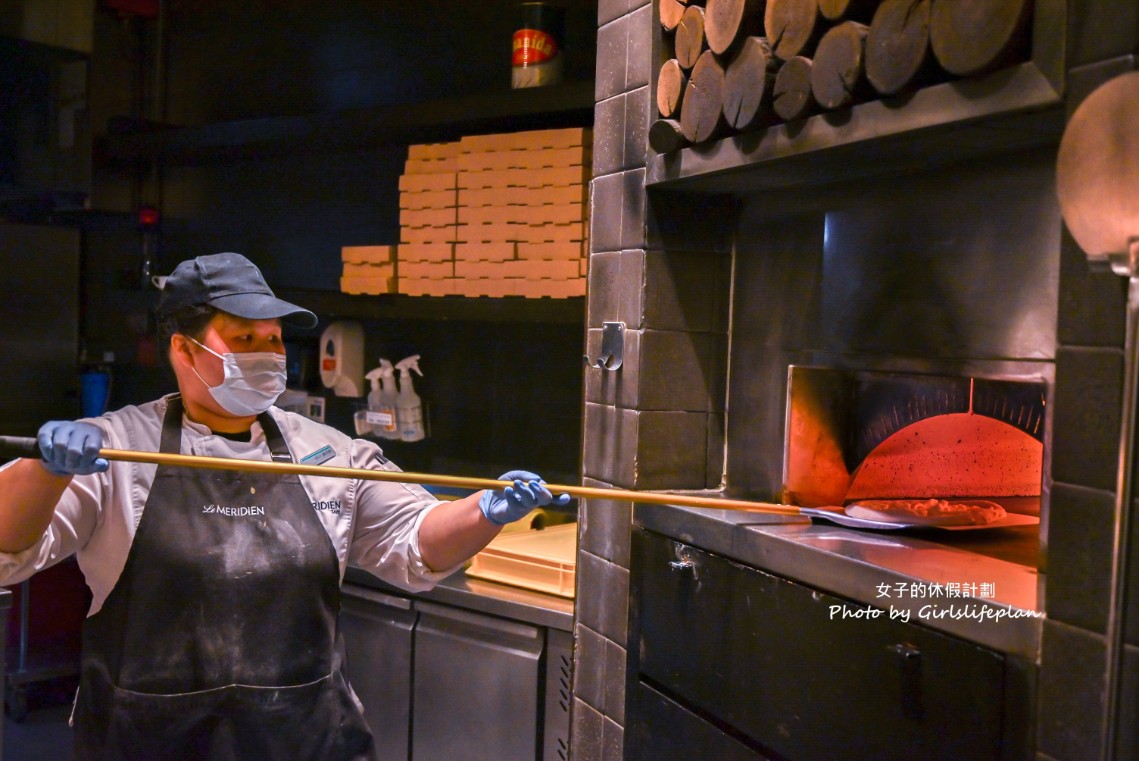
70,448
511,503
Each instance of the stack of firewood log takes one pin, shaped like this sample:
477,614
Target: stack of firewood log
740,65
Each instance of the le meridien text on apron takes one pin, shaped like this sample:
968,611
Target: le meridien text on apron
332,506
233,512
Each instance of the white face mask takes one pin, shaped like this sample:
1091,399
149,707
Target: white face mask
253,380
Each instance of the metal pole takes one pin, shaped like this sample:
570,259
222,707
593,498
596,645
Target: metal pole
25,612
19,446
1117,602
407,477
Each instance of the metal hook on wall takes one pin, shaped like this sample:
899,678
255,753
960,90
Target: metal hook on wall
612,347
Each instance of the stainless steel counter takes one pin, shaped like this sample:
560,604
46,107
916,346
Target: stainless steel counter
483,596
918,576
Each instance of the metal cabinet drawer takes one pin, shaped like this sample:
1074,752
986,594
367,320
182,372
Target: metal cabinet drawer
771,659
378,631
665,729
477,683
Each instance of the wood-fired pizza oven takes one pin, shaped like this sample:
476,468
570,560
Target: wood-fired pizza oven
866,435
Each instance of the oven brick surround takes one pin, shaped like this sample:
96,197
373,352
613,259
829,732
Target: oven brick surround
657,422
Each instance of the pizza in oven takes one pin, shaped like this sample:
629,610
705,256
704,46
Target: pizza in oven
928,512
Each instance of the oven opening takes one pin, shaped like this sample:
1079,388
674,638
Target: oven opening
854,435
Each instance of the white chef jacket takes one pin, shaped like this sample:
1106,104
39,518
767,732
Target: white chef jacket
373,525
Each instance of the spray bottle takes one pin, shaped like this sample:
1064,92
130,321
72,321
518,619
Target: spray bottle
409,408
382,401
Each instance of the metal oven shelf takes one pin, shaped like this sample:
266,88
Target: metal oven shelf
855,565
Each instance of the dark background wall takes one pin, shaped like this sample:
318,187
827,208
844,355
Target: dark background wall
500,393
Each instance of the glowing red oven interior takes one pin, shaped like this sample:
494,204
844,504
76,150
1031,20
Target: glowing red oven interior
862,435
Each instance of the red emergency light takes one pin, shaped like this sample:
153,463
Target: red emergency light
148,218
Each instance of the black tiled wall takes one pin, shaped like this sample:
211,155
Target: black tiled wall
652,270
657,422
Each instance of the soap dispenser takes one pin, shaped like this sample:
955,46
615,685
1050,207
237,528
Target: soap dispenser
342,358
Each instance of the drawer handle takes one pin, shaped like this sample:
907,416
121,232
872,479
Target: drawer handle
909,661
681,566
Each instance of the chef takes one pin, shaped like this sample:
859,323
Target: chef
213,627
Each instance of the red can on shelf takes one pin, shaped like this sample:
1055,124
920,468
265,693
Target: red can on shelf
537,57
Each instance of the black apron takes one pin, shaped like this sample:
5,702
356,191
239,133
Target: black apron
220,639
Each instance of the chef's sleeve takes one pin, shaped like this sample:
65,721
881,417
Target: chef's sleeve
385,536
72,524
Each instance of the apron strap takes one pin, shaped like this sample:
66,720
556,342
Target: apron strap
172,432
172,427
277,446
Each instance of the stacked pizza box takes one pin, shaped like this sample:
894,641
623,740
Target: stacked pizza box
368,269
523,214
427,220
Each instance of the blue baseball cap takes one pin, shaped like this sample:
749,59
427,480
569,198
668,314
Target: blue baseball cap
231,283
